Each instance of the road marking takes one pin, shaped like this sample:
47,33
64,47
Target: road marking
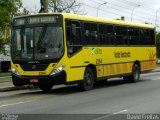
121,111
16,103
105,116
99,118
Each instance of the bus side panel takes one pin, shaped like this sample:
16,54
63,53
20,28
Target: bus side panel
111,61
148,65
114,69
120,60
76,67
76,74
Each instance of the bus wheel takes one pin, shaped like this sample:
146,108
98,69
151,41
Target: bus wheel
46,87
88,80
135,74
16,83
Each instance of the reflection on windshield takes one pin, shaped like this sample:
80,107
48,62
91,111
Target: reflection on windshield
21,43
51,44
37,43
27,41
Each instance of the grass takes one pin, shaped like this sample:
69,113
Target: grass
2,74
5,74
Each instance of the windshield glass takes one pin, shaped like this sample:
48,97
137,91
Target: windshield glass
48,42
38,43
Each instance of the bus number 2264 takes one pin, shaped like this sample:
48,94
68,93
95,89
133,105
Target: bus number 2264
98,61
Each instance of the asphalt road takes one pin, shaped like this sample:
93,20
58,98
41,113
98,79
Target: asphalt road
104,101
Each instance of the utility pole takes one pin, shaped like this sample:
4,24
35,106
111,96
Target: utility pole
100,6
133,11
156,16
44,6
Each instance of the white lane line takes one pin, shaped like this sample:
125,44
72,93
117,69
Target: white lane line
105,116
121,111
15,103
100,118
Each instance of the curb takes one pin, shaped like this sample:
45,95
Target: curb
13,88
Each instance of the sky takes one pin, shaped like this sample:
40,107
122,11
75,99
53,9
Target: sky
142,11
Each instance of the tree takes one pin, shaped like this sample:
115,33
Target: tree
158,44
25,12
68,6
8,9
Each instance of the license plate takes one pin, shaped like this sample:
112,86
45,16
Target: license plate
34,80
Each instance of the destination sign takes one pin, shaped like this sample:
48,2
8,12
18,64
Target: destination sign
19,21
42,19
36,20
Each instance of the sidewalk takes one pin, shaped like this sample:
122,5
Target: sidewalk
6,83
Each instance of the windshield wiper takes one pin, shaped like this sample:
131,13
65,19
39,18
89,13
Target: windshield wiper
42,34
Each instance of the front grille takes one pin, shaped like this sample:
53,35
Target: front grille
34,67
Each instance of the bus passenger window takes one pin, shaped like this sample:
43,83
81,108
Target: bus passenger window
68,36
94,34
87,33
142,36
91,33
152,37
73,36
121,35
133,34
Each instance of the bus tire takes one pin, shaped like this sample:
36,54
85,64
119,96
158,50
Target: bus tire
135,74
88,80
16,83
46,87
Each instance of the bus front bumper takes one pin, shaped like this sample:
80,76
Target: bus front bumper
56,79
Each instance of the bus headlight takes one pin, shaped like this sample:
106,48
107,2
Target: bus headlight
15,71
58,70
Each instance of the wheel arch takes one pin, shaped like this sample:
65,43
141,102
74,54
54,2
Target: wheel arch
138,63
93,68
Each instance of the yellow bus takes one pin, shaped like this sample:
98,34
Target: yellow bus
63,48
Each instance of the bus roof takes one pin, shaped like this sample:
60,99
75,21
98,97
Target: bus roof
97,19
106,20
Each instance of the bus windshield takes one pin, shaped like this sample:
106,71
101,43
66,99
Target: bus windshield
37,42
